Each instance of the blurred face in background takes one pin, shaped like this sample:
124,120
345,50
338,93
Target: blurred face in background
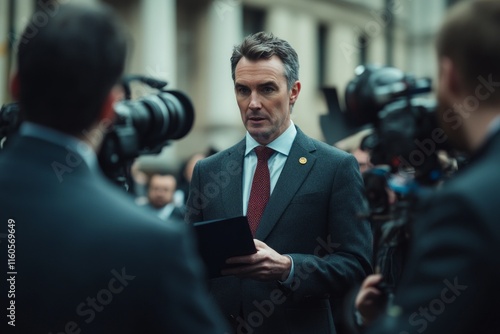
161,190
363,159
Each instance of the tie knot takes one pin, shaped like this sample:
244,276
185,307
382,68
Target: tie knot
263,152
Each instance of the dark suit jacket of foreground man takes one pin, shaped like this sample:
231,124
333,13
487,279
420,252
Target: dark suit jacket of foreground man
311,216
87,258
451,281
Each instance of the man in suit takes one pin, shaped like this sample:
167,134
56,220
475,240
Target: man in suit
86,259
311,245
450,282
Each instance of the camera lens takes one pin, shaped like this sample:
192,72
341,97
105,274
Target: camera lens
371,89
158,118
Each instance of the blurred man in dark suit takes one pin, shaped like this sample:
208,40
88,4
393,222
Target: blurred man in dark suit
86,258
161,191
450,283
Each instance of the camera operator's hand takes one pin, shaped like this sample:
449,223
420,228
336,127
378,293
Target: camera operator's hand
370,299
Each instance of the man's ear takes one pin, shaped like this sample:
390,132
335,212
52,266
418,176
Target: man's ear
15,88
294,93
108,112
450,80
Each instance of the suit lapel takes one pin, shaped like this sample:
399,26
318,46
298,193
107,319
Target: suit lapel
232,193
293,175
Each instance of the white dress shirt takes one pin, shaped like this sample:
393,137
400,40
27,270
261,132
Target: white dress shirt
276,162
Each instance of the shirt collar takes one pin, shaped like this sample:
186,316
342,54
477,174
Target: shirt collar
494,126
282,144
58,138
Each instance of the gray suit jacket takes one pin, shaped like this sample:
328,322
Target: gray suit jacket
311,216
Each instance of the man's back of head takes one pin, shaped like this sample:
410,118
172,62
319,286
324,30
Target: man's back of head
67,68
470,38
468,50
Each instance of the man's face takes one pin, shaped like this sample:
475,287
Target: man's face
363,159
161,190
263,97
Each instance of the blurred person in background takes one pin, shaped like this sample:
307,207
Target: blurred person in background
353,145
185,175
161,190
139,183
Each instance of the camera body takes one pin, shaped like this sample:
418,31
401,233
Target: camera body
403,122
403,149
142,126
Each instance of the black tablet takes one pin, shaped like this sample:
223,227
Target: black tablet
221,239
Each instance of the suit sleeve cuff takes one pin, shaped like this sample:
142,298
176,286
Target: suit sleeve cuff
288,282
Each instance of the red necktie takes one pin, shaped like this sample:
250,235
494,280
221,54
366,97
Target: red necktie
261,188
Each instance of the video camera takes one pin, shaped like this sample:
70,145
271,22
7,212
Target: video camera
142,126
404,148
406,132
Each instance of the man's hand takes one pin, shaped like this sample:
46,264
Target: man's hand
370,300
265,265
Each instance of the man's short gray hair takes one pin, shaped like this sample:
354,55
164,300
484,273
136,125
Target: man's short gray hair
264,45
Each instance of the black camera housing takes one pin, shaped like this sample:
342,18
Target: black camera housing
142,126
389,99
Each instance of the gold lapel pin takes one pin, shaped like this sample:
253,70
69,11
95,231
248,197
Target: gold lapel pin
302,160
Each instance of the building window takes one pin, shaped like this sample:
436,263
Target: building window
253,20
